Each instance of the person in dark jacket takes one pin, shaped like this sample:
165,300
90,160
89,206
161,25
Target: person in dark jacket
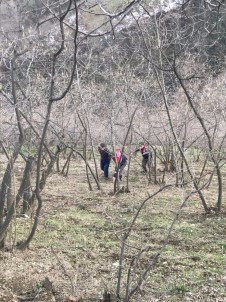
121,161
105,158
146,156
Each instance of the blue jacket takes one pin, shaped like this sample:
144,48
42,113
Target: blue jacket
104,154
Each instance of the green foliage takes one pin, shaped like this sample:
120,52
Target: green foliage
40,285
187,231
179,289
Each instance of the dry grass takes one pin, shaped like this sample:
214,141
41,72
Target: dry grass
77,243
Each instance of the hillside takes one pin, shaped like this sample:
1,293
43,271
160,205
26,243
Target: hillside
112,151
78,242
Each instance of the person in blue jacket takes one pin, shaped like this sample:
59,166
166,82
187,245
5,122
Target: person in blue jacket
105,158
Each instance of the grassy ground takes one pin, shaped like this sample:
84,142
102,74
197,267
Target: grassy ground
77,244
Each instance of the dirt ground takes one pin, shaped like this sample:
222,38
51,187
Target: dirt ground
74,255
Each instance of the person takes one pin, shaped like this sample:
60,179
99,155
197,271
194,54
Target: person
105,158
121,161
146,156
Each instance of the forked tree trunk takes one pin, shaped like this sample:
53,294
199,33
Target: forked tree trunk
41,183
11,211
6,182
26,189
66,166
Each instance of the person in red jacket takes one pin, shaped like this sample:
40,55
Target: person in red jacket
146,156
120,162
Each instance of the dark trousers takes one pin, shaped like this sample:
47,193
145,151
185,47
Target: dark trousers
119,169
104,165
146,162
